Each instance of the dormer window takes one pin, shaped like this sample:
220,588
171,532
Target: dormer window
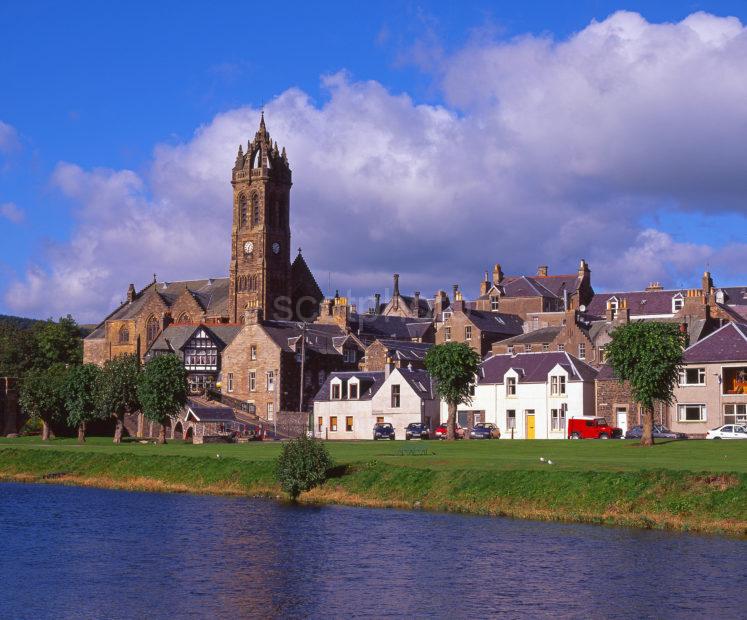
511,350
494,303
336,391
510,386
350,356
677,302
353,390
557,385
612,305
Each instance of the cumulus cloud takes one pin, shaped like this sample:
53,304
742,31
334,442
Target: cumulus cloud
8,138
12,212
543,152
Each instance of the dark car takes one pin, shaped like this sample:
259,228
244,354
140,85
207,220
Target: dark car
383,430
485,430
659,432
416,430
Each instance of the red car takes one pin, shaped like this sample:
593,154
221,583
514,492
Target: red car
592,428
442,433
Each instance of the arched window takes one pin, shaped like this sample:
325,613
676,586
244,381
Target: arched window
257,159
183,318
124,334
243,212
151,329
255,210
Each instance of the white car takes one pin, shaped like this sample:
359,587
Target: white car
728,431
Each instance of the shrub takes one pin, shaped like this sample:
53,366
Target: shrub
302,465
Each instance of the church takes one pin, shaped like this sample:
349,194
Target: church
261,275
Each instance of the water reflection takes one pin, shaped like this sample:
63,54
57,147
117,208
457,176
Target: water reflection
87,553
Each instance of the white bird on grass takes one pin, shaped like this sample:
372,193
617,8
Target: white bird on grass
542,458
549,462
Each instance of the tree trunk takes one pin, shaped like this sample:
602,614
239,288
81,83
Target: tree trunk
451,422
45,430
118,429
647,437
162,434
82,432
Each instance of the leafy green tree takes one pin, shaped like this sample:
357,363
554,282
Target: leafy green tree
80,397
649,356
43,396
162,390
58,342
302,465
17,350
453,366
116,390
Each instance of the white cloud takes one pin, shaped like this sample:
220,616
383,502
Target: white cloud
8,138
556,152
12,212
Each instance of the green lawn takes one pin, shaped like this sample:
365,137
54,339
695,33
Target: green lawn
473,455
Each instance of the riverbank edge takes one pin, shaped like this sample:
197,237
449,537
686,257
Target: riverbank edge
351,486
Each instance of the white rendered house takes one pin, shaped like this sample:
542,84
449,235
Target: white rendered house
350,403
531,394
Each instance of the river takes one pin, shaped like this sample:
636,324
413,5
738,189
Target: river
88,553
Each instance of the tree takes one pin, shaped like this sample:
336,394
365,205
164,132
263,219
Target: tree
80,397
43,395
649,356
58,343
116,390
17,349
162,390
302,465
453,366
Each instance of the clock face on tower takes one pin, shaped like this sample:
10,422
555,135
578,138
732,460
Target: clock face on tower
276,247
248,247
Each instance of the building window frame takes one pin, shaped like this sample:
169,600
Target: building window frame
511,419
270,380
468,333
252,380
396,396
447,333
687,411
336,391
253,352
695,376
229,382
510,387
582,351
333,423
348,424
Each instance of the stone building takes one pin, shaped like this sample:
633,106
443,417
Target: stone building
260,273
400,353
262,364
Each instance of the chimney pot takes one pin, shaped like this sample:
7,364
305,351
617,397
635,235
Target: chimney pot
542,270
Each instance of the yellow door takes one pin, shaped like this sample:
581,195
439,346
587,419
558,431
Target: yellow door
530,426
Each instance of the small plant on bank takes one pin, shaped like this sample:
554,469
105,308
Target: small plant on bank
162,390
302,465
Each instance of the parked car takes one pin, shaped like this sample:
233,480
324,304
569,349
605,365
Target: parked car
485,430
383,430
592,428
416,430
659,432
728,431
441,431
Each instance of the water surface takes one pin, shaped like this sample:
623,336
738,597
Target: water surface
71,552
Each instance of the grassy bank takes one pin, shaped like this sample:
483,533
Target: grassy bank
695,486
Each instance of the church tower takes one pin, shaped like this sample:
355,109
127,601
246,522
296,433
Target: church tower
260,271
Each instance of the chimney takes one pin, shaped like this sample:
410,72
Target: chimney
395,291
707,284
416,303
655,286
485,285
388,365
439,304
253,316
584,291
131,293
377,303
454,291
497,274
341,312
542,270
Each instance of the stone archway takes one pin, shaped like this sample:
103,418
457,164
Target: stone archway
177,431
189,435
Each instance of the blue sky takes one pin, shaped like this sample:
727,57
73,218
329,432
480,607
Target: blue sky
92,92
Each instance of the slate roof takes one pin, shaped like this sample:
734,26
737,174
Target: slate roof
320,338
606,373
211,294
734,295
495,322
726,344
406,351
213,412
371,326
538,286
175,336
420,381
370,382
538,336
640,303
534,367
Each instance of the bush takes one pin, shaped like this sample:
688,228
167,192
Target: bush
302,465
